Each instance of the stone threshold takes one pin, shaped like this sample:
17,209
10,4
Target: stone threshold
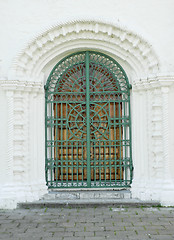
90,198
92,194
88,203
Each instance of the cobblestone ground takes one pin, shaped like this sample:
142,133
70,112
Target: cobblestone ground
87,223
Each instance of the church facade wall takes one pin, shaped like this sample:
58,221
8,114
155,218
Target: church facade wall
139,36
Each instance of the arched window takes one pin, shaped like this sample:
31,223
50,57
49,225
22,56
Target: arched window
87,123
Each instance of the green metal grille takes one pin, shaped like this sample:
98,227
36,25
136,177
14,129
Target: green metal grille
87,123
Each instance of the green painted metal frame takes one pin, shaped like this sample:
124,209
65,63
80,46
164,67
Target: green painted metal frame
97,97
88,117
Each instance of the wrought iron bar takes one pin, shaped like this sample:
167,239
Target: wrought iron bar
88,144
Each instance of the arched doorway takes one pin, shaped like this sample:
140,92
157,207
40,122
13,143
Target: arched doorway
88,125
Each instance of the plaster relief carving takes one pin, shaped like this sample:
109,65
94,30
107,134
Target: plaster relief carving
87,33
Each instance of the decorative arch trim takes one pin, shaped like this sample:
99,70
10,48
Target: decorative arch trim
85,34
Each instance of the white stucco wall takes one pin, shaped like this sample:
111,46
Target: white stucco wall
21,21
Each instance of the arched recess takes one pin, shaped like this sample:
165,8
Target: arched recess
88,125
31,69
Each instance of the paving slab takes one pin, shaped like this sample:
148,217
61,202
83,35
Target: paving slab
102,222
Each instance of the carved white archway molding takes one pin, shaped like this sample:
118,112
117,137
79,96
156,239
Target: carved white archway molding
132,50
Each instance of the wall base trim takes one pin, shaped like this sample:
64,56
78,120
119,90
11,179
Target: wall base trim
12,194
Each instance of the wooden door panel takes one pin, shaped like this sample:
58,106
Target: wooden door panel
68,151
104,156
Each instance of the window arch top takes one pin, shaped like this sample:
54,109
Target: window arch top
74,66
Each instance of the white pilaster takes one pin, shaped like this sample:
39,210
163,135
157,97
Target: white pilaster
167,195
25,157
10,101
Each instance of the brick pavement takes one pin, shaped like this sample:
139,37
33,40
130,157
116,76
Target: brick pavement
90,223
